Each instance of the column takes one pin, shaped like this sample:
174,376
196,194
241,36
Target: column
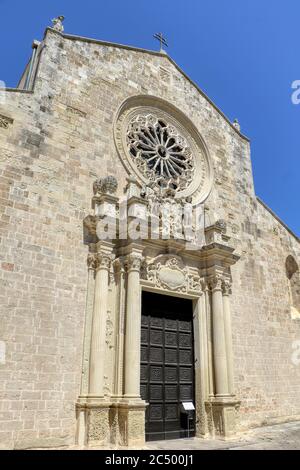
133,327
119,351
228,334
219,344
97,354
205,288
92,264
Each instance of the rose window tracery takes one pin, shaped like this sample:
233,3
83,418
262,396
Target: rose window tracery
160,152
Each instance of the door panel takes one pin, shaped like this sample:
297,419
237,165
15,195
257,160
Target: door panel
167,364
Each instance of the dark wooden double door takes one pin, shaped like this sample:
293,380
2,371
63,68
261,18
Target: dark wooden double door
167,365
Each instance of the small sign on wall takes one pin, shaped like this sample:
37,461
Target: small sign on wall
188,406
2,352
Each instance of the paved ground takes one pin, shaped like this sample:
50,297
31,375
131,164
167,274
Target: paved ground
278,437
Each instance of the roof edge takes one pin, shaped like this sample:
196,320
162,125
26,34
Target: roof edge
18,90
155,53
277,218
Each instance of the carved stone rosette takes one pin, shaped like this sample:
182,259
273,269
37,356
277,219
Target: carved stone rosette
160,146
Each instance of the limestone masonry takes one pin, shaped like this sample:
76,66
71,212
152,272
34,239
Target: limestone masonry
70,329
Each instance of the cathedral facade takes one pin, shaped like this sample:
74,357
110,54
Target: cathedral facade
146,292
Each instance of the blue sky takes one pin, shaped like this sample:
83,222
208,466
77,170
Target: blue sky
243,54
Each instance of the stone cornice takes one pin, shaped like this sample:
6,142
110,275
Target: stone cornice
277,218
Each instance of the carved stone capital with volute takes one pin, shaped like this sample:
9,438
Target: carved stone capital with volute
104,260
215,282
133,262
226,287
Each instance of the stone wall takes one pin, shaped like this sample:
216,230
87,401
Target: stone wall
60,140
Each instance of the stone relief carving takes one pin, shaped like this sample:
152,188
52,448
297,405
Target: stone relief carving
169,272
92,261
106,387
98,429
226,286
160,152
109,330
5,121
215,282
171,275
194,283
107,185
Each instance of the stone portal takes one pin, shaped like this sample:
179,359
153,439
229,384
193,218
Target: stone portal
167,365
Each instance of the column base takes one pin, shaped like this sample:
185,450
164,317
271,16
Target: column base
117,423
223,416
93,422
129,417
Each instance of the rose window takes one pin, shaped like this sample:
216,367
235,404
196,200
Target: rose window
160,152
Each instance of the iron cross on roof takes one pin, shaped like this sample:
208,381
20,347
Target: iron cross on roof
161,39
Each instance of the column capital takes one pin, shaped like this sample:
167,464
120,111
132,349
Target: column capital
226,287
133,262
103,260
215,282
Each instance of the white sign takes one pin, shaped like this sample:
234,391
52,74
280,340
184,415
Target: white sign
188,406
